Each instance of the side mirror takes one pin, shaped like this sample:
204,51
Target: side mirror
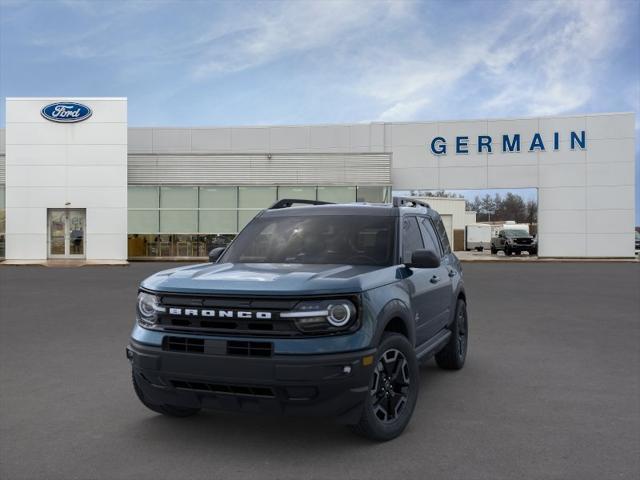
424,259
215,254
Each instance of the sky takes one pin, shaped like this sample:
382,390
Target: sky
207,63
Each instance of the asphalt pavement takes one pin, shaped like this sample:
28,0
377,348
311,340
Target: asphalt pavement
551,389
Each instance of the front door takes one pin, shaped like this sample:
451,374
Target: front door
66,233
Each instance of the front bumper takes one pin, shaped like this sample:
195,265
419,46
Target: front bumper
325,384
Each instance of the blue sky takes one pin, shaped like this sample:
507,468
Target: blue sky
244,63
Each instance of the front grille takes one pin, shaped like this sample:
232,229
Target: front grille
274,326
523,241
250,349
252,390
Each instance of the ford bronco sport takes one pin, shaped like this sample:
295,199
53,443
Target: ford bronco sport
320,309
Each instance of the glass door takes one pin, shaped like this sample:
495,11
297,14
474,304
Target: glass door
66,233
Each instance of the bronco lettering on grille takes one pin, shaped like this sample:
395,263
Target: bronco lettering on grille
209,313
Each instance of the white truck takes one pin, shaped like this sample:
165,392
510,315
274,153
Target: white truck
477,236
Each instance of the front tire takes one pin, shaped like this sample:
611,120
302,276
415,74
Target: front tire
454,354
169,410
393,390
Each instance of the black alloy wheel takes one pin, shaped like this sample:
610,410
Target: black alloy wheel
393,390
390,388
454,353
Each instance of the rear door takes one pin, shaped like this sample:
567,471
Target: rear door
421,282
440,303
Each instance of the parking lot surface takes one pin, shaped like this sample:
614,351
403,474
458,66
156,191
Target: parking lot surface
551,389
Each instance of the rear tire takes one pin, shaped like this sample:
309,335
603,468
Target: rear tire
169,410
454,354
393,390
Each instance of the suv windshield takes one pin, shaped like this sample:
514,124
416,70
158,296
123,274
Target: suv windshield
516,233
328,239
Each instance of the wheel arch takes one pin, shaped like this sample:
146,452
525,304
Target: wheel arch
395,317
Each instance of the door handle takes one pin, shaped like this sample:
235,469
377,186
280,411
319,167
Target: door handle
435,279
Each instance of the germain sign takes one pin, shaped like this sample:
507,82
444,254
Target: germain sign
508,143
66,112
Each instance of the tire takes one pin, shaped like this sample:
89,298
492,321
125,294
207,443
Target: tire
517,252
169,410
393,390
454,353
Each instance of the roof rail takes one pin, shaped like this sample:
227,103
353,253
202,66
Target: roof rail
409,202
289,202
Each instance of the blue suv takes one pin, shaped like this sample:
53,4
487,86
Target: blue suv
314,309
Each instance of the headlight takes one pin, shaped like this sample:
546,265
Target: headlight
148,307
323,316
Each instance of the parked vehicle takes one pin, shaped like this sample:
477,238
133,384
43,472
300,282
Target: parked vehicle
513,241
477,236
317,310
637,240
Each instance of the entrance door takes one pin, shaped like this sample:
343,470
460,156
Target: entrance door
66,233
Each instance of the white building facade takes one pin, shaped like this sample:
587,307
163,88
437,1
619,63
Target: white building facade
76,182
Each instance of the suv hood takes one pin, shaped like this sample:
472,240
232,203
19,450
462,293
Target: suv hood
270,278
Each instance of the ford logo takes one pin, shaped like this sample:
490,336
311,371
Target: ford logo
66,112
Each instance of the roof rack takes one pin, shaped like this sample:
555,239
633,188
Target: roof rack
290,202
409,202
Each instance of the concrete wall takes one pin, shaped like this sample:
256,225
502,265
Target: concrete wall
586,197
73,165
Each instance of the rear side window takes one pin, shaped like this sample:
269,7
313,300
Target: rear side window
442,233
411,238
430,237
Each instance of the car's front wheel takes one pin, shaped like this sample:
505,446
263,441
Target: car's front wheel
169,410
393,390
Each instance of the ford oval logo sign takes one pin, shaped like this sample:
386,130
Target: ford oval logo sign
66,112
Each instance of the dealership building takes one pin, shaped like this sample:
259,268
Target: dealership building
77,182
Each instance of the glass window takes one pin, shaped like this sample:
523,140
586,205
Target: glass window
373,194
411,238
142,197
218,197
299,193
218,221
256,197
442,233
316,239
337,194
429,236
245,216
178,197
143,221
178,221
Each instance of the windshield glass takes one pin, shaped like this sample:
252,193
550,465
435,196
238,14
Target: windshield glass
330,239
516,233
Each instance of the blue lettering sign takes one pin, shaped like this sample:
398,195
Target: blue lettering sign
440,148
511,146
462,144
484,141
536,142
581,141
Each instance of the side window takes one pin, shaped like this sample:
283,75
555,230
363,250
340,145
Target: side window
442,233
431,241
411,238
